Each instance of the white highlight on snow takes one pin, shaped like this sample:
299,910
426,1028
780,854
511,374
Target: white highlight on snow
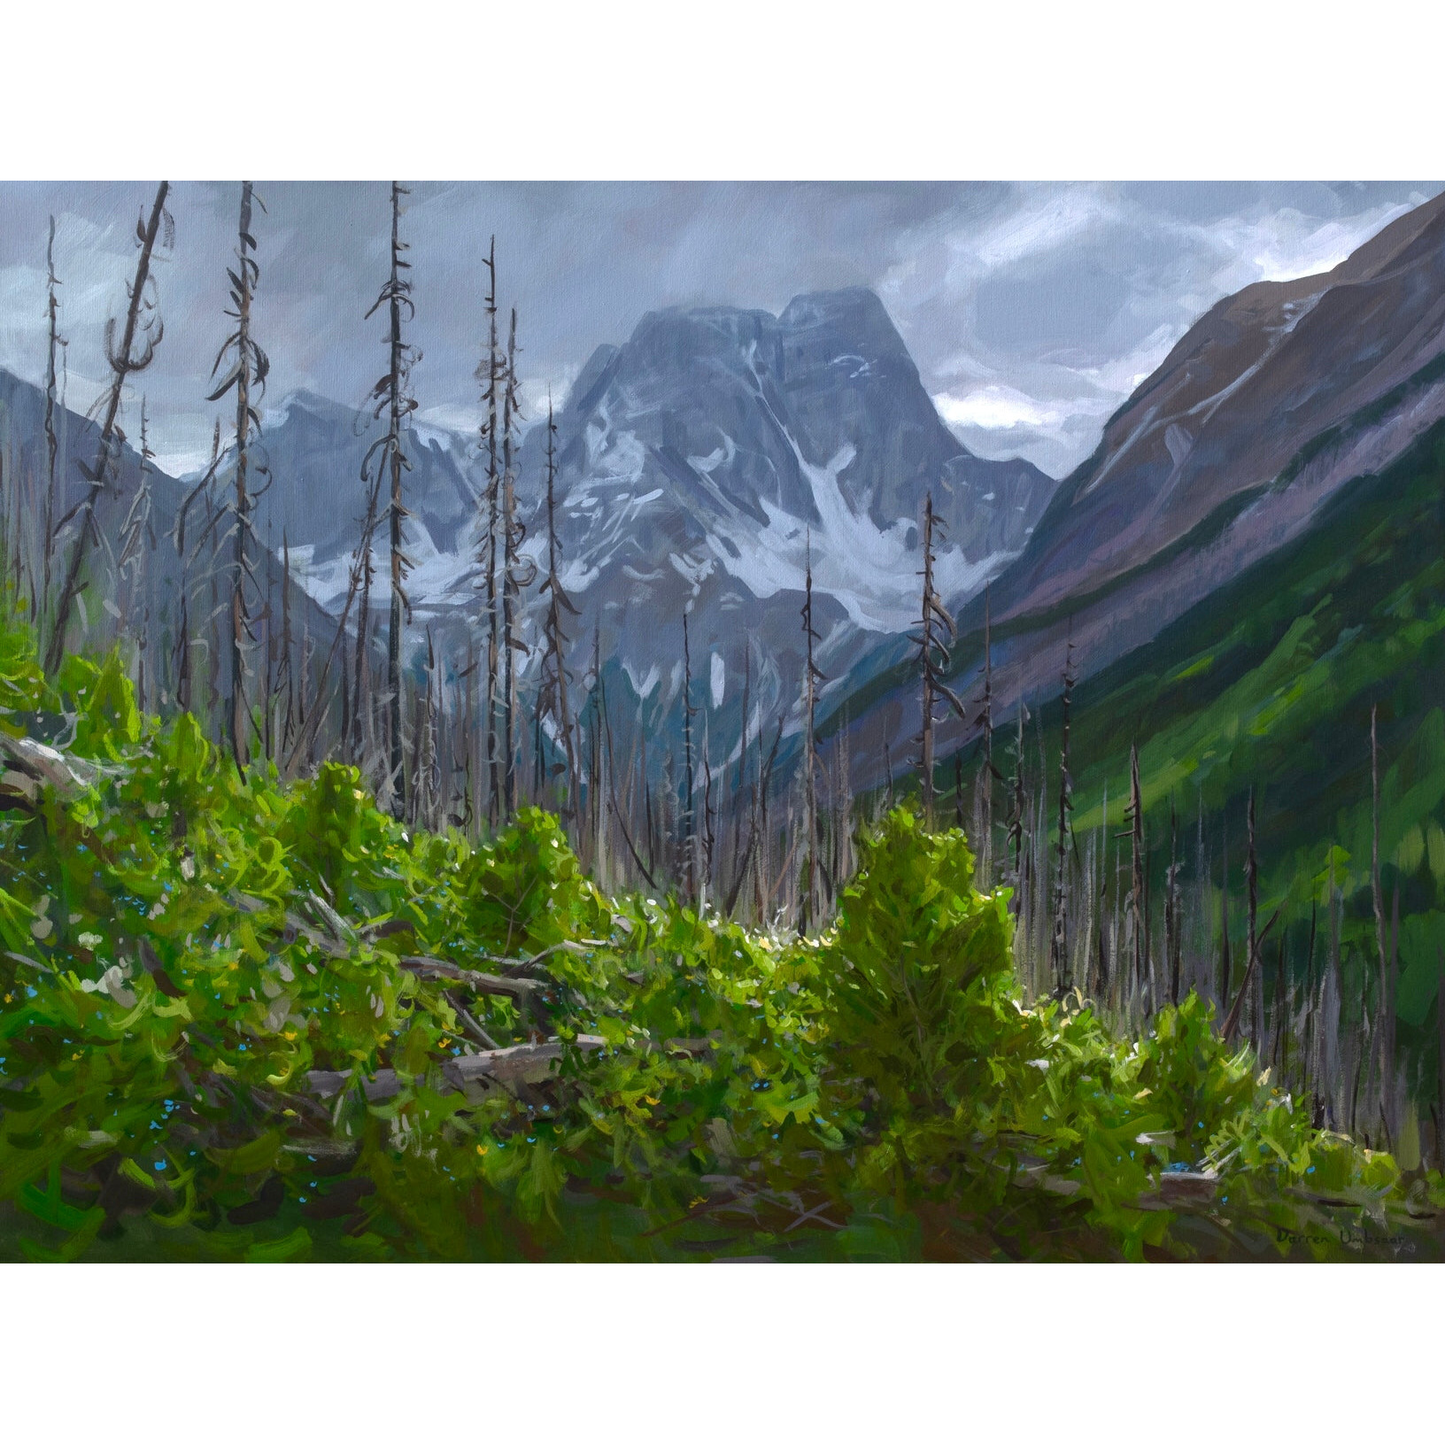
693,570
644,687
719,457
718,678
870,571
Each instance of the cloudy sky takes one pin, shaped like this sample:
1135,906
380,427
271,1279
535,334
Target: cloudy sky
1031,309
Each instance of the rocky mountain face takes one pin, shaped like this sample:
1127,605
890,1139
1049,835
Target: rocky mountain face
313,450
700,467
1213,433
708,462
22,442
1273,402
24,456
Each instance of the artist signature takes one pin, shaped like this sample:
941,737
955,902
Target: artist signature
1351,1239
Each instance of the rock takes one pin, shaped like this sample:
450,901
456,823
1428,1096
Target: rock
1187,1187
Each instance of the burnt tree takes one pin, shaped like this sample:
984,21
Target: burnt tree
988,773
390,396
936,630
552,692
142,324
517,572
1059,948
812,676
246,375
490,374
54,343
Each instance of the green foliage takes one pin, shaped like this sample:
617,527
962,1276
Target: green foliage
1269,685
184,946
1193,1075
523,889
100,697
918,964
21,681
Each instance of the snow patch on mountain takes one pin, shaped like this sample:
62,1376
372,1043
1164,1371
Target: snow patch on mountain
870,570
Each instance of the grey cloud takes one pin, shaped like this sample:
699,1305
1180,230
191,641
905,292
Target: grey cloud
1029,308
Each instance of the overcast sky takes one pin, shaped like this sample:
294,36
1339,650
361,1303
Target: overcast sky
1032,310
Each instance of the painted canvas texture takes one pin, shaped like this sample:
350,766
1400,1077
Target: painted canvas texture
681,722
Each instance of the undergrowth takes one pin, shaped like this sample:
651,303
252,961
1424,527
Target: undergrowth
202,972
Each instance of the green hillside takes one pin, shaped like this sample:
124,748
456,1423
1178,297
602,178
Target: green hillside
1269,685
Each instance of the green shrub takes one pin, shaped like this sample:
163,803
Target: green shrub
21,682
182,945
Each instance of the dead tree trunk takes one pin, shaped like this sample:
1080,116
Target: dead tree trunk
933,659
248,368
1172,947
141,318
1136,897
137,541
1059,961
1018,812
812,675
1102,970
709,836
490,371
596,816
389,395
1224,958
685,822
363,574
1251,895
988,774
552,693
289,718
359,583
52,441
516,574
185,558
1385,1003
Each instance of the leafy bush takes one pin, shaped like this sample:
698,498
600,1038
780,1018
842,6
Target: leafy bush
21,682
190,955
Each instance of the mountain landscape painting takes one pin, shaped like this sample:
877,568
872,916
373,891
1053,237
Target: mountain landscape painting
823,722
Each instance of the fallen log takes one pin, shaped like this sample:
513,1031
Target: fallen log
519,1064
38,763
298,927
518,966
525,992
18,788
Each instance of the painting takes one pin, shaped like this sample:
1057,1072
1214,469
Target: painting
733,721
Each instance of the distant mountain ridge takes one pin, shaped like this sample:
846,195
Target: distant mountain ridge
1275,400
705,464
744,436
1226,411
699,465
22,444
